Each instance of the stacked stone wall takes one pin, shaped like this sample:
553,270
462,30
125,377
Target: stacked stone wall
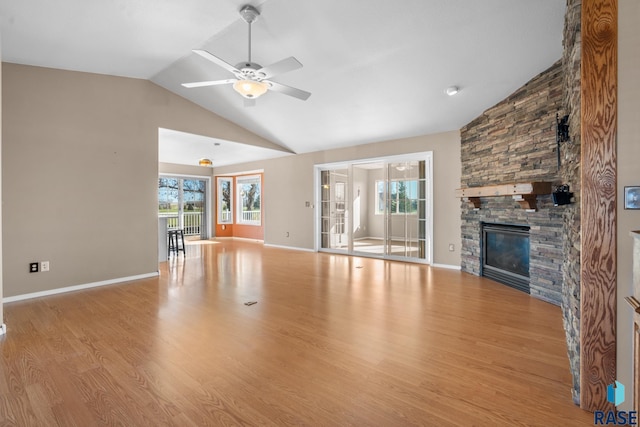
512,142
515,141
570,174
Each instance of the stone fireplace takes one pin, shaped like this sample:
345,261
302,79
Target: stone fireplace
505,254
512,142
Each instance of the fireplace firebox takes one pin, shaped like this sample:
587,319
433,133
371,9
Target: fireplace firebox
505,254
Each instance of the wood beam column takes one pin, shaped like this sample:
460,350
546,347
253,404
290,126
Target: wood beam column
598,202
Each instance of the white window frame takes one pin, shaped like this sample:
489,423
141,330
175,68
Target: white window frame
239,202
208,187
376,196
219,181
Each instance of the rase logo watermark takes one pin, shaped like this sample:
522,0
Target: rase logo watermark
615,395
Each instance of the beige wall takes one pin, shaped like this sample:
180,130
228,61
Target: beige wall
289,183
80,170
185,170
1,306
628,174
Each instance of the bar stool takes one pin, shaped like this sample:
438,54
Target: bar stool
175,235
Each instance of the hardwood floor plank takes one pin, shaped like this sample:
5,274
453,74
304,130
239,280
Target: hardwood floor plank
333,340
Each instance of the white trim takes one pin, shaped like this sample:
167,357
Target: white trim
293,248
79,287
3,329
209,196
431,203
391,158
238,202
218,195
182,175
245,239
251,172
317,203
450,267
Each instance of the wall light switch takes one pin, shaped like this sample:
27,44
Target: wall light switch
33,267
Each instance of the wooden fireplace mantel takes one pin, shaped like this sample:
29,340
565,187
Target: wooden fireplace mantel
524,193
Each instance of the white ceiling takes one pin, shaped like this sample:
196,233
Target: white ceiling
377,69
187,149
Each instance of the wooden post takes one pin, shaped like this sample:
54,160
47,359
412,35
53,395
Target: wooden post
598,202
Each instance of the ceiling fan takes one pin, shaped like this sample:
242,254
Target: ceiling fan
251,79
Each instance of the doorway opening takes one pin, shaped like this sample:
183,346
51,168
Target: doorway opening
376,207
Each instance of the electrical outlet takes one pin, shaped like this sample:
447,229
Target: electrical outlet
33,267
44,266
451,247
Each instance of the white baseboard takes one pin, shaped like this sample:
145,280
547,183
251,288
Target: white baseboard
293,248
79,287
3,329
450,267
244,239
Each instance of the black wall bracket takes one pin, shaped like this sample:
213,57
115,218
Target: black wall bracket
561,195
562,132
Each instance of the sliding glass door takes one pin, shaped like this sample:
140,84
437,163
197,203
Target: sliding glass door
377,208
183,201
333,206
369,214
402,209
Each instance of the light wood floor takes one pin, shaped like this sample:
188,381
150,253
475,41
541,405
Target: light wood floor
377,247
332,340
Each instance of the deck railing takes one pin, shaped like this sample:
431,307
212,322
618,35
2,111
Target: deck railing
225,216
251,216
190,222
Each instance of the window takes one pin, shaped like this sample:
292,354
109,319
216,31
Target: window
182,201
225,207
249,200
403,197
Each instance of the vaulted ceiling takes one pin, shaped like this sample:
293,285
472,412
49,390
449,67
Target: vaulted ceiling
377,69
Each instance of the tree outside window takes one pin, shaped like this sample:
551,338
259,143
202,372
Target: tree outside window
225,207
249,209
403,197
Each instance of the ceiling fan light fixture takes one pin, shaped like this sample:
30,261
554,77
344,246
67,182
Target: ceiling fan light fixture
205,162
250,89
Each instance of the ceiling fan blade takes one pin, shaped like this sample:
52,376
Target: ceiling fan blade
280,67
288,90
219,62
209,83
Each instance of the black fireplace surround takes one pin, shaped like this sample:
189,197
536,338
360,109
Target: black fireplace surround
505,254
